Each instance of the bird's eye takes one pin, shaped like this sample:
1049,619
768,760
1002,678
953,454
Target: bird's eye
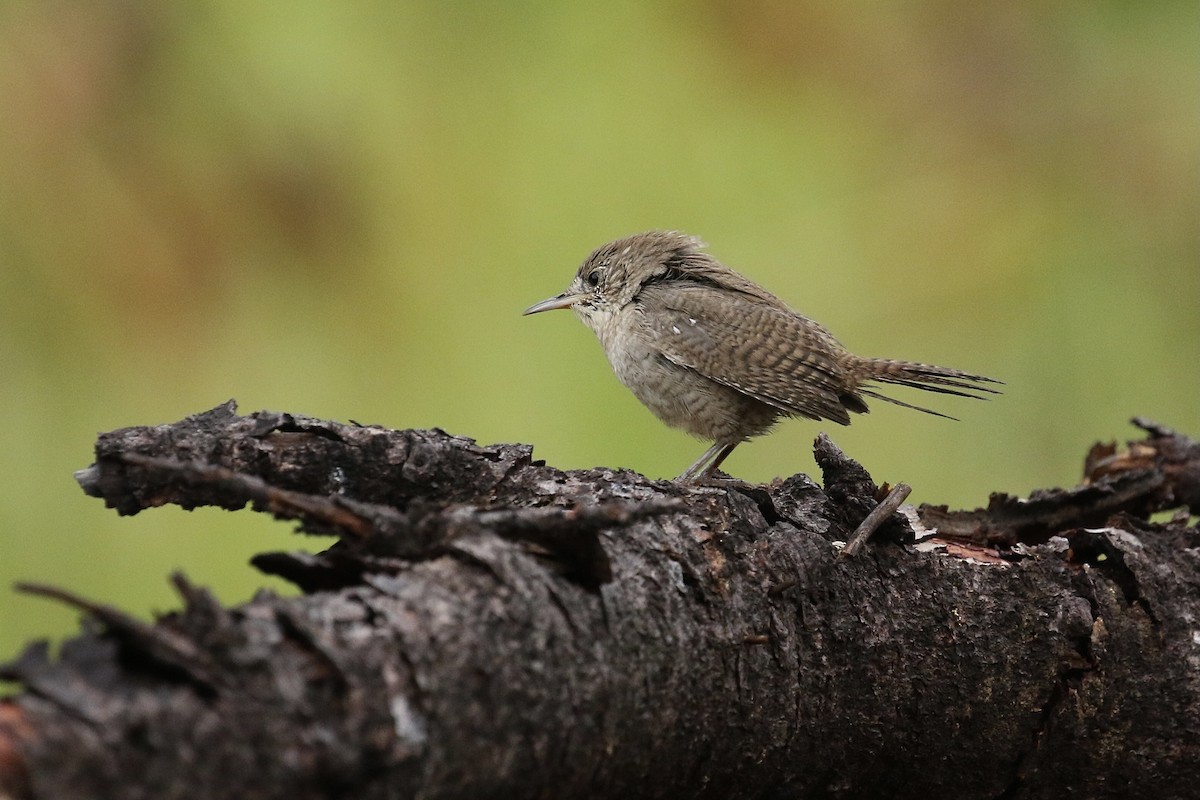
592,279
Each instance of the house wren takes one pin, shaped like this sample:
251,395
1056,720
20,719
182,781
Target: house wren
714,353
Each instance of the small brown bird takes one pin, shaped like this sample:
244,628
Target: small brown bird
714,353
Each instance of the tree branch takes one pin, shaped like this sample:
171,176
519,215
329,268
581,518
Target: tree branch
490,626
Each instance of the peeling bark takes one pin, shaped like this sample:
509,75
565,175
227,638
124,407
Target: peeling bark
490,626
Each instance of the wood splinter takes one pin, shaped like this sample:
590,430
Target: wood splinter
881,512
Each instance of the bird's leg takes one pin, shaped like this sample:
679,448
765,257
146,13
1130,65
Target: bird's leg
708,462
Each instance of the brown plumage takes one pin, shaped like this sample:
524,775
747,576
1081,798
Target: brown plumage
714,353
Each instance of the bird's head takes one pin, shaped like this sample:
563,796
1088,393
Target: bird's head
612,276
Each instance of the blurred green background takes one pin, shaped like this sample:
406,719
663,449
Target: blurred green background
340,209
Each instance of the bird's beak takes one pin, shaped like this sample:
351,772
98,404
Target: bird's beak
564,300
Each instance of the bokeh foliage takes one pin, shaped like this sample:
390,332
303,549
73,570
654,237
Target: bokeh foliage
340,209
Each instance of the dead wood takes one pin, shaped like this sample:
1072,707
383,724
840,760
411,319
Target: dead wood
487,625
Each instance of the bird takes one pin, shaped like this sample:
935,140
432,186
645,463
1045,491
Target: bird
710,351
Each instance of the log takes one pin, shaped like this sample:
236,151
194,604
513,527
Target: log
489,626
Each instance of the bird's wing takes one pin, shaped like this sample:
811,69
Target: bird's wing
769,353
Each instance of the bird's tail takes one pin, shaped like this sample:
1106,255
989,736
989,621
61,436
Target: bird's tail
943,380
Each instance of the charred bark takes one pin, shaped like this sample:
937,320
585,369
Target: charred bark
490,626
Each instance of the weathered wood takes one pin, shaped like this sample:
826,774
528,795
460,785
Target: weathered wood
490,626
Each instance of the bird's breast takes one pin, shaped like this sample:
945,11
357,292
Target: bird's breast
679,396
